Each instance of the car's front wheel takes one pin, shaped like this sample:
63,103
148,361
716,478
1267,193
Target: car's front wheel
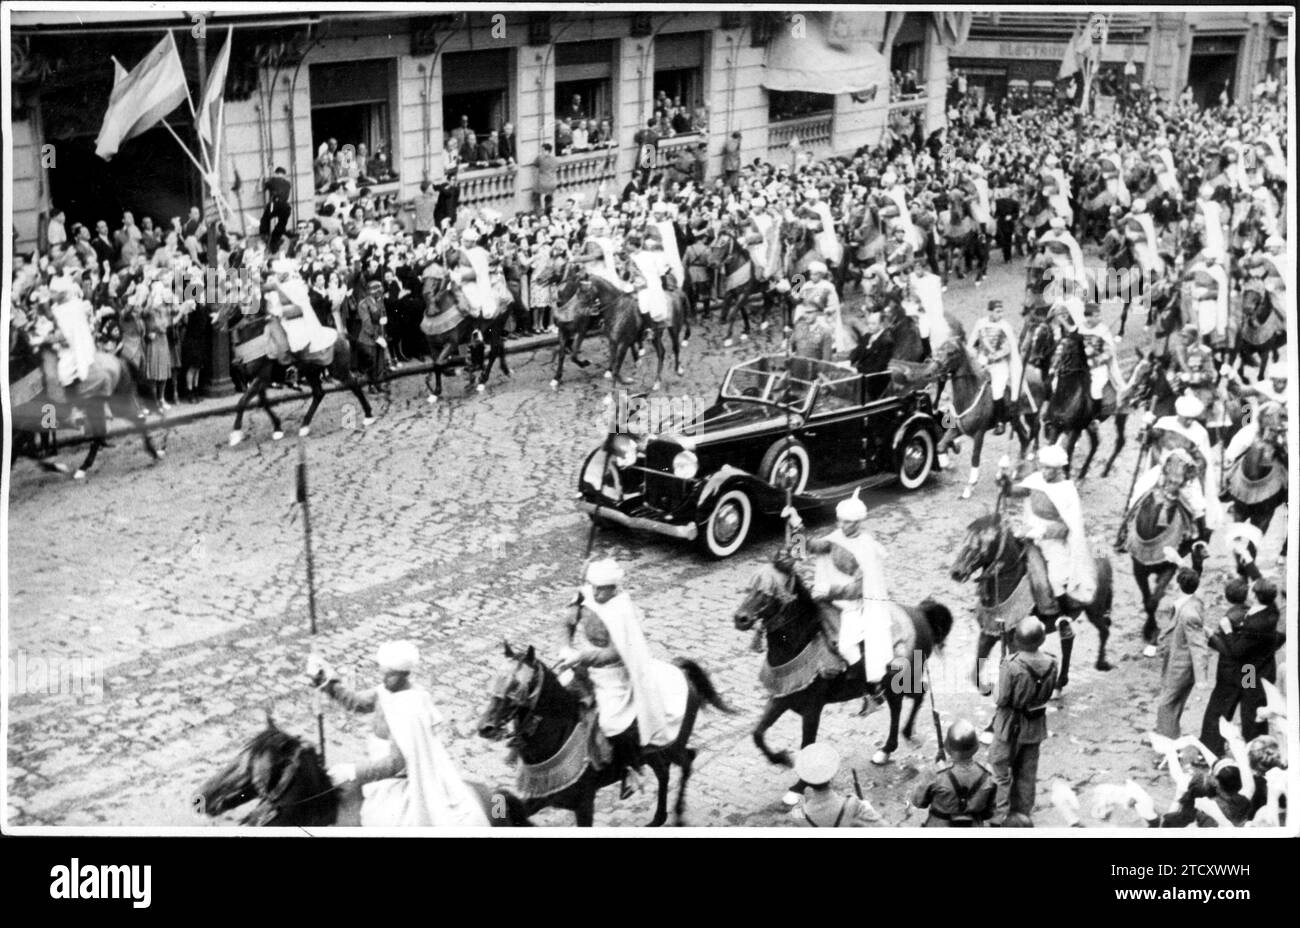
915,458
728,524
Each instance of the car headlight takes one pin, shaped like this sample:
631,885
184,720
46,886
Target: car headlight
686,465
623,451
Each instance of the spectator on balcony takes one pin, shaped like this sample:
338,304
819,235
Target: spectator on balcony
563,136
548,178
56,232
681,122
466,141
909,87
700,121
506,144
488,150
324,170
575,110
380,166
663,127
149,237
581,139
731,160
127,242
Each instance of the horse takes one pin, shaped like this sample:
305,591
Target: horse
110,387
1257,481
1071,410
626,325
284,774
962,235
550,727
973,404
572,317
991,549
866,243
261,370
1095,201
1148,389
740,282
448,324
1156,521
1261,327
803,672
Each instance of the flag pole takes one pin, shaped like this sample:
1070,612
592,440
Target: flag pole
202,170
311,579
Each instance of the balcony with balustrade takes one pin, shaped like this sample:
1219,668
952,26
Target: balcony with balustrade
586,171
814,134
491,186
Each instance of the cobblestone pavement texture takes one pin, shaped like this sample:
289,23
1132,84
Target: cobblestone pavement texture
454,525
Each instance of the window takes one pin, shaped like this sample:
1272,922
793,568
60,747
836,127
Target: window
679,80
907,56
351,104
796,104
476,94
584,100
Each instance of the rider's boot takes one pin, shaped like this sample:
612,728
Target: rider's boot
1000,416
874,697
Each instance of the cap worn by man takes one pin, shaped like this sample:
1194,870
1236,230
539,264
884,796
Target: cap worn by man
398,656
817,764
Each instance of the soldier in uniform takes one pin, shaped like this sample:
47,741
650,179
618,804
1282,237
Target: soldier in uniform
994,343
819,807
630,686
1101,350
813,336
961,794
1025,684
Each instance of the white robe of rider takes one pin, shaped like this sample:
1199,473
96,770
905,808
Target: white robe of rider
931,321
1113,171
1146,249
1210,299
73,320
639,688
1070,566
1107,369
651,297
478,292
979,206
911,234
864,620
304,332
1214,242
668,236
828,242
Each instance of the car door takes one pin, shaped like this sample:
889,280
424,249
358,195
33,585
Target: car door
834,433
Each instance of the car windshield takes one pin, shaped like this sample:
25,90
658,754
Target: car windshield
780,380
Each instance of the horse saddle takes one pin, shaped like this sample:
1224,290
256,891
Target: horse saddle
1047,602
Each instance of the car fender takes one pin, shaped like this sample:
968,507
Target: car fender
926,421
765,497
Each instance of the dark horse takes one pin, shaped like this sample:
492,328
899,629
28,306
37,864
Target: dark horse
1071,411
963,236
447,325
998,556
1257,481
626,325
1261,330
260,372
539,715
285,776
739,282
111,387
573,317
804,672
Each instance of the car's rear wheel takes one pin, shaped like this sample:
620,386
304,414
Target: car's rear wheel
786,465
915,458
728,523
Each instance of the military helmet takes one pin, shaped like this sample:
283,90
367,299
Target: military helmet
962,741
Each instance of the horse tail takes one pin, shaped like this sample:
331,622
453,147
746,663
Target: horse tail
699,680
940,619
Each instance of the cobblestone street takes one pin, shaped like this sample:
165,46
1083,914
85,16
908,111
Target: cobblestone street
454,525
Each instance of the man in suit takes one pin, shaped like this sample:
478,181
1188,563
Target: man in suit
1226,641
466,141
1183,650
506,144
875,348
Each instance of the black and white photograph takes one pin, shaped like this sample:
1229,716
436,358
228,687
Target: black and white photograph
520,419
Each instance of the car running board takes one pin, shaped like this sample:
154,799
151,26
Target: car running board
836,493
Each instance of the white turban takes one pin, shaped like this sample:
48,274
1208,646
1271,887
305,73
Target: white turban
1053,456
852,509
817,267
1189,407
64,285
605,573
1057,223
1275,241
1139,205
400,656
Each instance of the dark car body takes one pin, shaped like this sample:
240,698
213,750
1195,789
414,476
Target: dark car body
782,428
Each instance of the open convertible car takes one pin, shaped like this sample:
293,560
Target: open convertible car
781,425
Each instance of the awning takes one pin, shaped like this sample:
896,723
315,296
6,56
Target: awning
827,58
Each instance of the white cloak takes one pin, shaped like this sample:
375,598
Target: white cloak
1012,361
73,319
668,236
827,242
866,620
1069,561
1200,439
652,299
478,291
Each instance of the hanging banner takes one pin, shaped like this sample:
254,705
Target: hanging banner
826,53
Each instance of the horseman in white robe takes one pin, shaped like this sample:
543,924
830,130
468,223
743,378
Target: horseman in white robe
850,575
662,228
1112,171
1067,259
1162,160
650,267
1053,519
764,240
996,346
979,204
640,701
289,300
1140,231
71,314
897,195
474,276
1211,212
1102,351
828,243
1183,430
927,306
410,779
1189,492
1057,189
606,265
1209,293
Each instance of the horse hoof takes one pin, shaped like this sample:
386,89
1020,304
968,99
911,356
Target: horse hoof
965,494
727,343
762,326
368,420
159,454
236,437
1104,665
79,474
609,375
680,372
433,397
685,342
304,431
59,468
555,385
607,400
791,798
1058,694
480,388
744,337
880,758
1149,651
656,388
277,435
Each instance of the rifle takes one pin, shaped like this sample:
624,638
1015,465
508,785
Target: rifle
311,580
1137,470
934,714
